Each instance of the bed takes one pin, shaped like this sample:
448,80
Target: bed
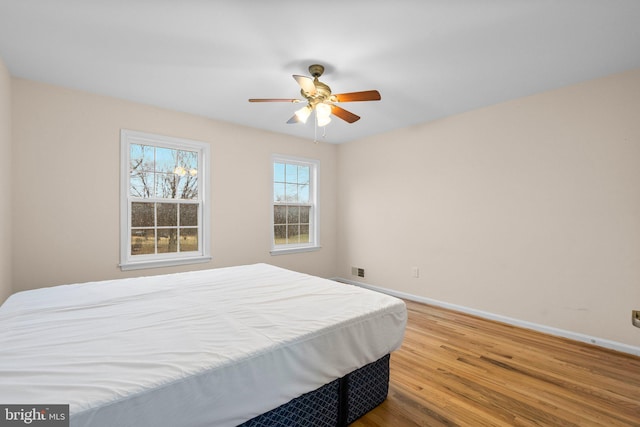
256,345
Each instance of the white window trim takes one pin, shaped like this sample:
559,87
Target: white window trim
134,262
314,194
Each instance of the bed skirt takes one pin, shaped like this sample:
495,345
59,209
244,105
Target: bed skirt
337,403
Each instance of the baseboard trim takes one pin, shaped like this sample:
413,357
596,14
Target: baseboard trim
601,342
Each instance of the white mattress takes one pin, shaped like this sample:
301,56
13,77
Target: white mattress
214,347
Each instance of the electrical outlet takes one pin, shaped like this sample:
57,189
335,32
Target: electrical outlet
635,318
415,271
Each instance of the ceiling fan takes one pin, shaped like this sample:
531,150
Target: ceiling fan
320,99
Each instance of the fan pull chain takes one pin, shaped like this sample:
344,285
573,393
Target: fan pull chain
315,129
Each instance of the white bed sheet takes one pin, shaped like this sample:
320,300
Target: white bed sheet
213,347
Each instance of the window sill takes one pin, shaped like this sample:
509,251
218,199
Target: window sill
163,263
285,251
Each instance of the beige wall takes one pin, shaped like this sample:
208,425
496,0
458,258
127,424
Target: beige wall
528,209
5,183
67,147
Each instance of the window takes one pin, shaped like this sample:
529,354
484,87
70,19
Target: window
164,214
295,205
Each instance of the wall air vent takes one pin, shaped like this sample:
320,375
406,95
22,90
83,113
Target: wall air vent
355,271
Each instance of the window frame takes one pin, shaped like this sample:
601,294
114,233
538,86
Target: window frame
134,262
314,216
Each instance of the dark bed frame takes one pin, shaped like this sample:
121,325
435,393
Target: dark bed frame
338,403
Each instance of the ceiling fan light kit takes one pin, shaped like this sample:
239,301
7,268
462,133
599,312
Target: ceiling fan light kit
320,99
301,115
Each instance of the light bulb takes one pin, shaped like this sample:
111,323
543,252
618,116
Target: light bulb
323,120
323,113
323,110
303,114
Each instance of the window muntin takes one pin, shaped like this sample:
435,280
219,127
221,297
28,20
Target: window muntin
164,212
295,210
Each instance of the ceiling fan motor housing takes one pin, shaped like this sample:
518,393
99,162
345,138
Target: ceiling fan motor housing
316,70
323,92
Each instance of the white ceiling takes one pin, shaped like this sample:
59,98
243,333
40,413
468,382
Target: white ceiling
428,58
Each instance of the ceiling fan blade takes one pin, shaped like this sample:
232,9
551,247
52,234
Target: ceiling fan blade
274,100
367,95
294,119
345,115
306,83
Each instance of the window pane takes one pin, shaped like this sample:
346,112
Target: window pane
278,172
143,242
187,187
278,192
303,193
142,214
188,239
292,193
167,240
189,161
304,234
279,214
293,234
303,174
280,234
188,214
167,214
293,215
304,214
141,185
166,160
291,173
166,185
140,157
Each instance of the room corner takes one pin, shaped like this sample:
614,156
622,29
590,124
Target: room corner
5,182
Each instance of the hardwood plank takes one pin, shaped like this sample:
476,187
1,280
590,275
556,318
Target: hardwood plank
455,369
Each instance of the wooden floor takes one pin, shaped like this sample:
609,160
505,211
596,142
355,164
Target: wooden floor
456,369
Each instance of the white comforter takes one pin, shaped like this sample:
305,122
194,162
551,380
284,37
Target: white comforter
214,347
